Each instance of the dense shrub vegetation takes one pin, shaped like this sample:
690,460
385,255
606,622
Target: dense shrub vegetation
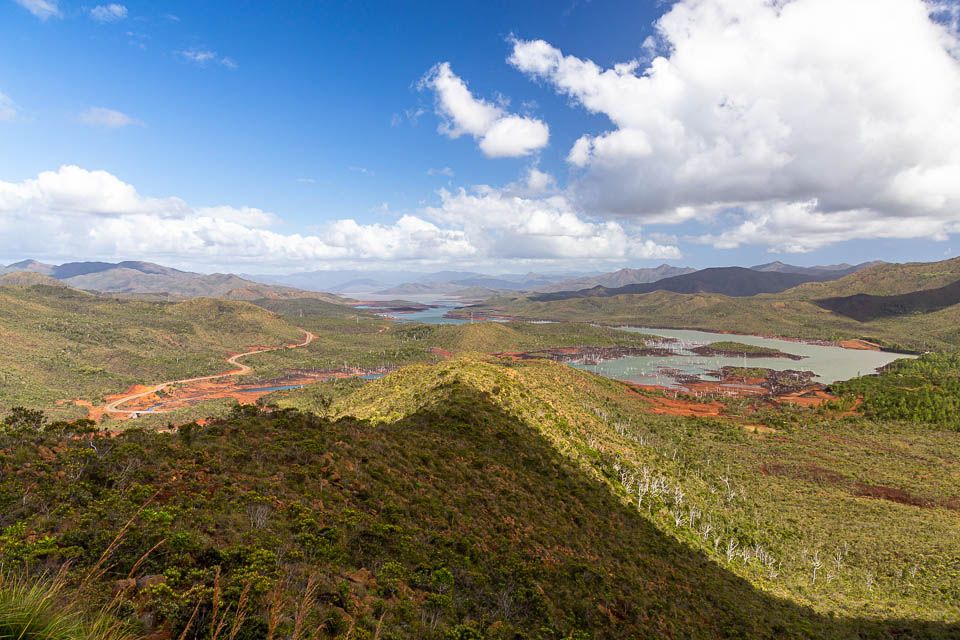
925,390
487,499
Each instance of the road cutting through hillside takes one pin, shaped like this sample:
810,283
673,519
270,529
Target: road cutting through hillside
114,407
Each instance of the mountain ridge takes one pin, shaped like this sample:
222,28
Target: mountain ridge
134,277
618,278
730,281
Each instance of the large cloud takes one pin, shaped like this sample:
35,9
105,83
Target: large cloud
825,119
499,133
76,213
504,225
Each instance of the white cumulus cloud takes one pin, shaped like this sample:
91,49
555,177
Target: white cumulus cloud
502,225
827,120
108,12
499,133
76,213
799,227
73,212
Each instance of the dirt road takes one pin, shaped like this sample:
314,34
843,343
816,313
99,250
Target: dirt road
114,407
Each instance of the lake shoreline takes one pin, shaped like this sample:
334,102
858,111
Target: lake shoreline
853,344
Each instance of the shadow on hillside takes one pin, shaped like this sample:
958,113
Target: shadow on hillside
601,565
864,307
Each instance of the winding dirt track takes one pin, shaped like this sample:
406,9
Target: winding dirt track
241,369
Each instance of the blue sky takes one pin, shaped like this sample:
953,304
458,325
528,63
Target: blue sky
319,113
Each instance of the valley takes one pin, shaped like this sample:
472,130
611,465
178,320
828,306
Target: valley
768,475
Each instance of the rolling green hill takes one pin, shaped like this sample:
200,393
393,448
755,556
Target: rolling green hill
815,485
485,499
58,343
885,279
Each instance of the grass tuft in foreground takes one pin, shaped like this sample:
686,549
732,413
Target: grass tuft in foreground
43,610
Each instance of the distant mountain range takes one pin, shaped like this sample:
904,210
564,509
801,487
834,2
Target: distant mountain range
467,284
772,277
839,270
738,281
621,278
145,278
353,282
400,282
728,281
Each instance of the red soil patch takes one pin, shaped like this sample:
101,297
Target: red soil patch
133,389
186,395
677,406
93,413
806,398
440,351
193,393
725,389
892,494
859,345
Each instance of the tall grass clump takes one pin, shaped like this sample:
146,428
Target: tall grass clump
43,610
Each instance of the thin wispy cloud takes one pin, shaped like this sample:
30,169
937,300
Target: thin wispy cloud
365,171
408,115
138,40
205,57
109,12
8,110
445,171
43,9
108,118
306,181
